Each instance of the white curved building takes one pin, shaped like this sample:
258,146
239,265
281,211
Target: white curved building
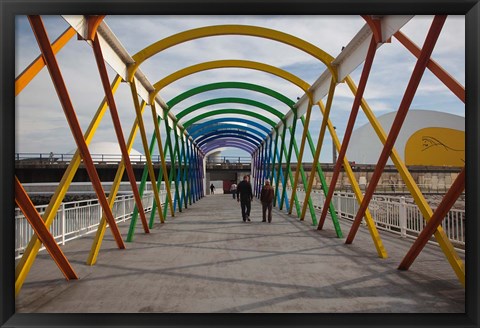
426,138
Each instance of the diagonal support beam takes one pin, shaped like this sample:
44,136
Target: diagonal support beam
417,74
26,262
31,214
452,84
350,125
318,149
289,157
118,128
54,70
156,123
299,167
438,216
280,169
97,242
356,190
36,66
143,135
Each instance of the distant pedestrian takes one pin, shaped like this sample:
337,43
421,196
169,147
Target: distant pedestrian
266,197
212,189
245,197
233,189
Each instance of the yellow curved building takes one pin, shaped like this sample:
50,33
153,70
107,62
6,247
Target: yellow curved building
427,138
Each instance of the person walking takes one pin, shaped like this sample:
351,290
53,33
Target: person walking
233,189
245,196
212,189
266,197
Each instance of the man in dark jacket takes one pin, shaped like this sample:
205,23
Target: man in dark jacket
245,196
266,197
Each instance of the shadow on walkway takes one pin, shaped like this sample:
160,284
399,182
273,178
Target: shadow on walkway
206,259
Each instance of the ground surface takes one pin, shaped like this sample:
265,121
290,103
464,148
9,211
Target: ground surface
206,259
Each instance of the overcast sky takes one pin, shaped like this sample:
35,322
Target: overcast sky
41,125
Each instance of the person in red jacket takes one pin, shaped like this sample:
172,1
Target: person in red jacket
266,197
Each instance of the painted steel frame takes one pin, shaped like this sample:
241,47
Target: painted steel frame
260,159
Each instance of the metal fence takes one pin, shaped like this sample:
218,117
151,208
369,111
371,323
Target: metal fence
57,158
396,214
76,219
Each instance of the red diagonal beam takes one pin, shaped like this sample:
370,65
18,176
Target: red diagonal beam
437,70
54,70
348,132
375,26
415,79
118,129
31,214
438,216
93,22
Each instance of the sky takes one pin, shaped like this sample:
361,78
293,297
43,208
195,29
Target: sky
41,126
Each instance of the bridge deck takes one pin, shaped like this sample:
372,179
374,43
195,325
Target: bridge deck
207,260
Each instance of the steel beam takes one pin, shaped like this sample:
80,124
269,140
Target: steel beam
143,136
36,66
438,216
156,124
54,70
289,157
349,129
118,127
305,123
417,74
350,58
31,251
282,146
97,241
32,216
316,156
452,84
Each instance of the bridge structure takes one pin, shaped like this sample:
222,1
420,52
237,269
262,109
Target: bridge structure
266,133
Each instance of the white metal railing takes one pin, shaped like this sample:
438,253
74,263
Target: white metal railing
392,213
76,219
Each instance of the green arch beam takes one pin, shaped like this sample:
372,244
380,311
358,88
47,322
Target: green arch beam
230,85
234,100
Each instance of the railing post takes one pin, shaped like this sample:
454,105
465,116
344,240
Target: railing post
124,216
339,205
403,217
63,224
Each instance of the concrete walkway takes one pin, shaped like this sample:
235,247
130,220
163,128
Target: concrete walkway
207,260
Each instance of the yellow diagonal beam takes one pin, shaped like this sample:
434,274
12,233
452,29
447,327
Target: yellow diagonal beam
97,241
300,154
377,241
445,244
143,134
26,262
162,157
318,149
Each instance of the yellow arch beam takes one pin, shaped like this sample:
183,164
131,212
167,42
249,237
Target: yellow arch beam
233,63
216,30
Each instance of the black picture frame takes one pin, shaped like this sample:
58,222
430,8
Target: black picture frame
10,8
